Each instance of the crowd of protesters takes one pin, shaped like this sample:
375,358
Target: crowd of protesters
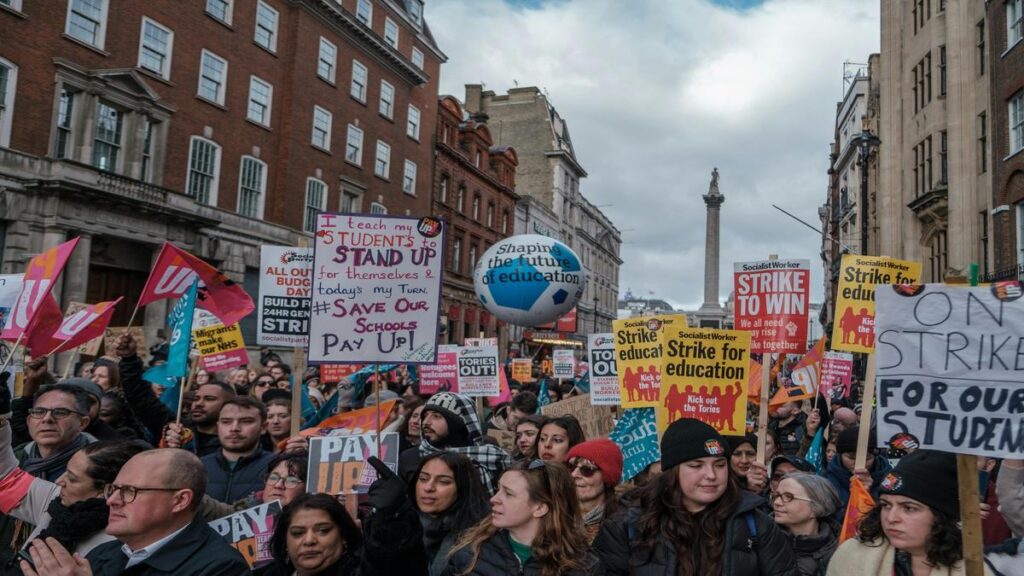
98,476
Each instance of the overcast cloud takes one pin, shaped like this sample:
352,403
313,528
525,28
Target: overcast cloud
657,93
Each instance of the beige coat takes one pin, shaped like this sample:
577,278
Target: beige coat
855,558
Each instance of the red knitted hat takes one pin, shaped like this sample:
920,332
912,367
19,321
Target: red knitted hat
605,454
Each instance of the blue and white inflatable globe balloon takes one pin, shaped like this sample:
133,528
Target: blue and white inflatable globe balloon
529,279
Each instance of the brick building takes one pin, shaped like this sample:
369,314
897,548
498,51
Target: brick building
1006,64
474,191
219,125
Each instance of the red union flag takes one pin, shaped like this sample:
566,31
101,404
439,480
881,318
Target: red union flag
76,328
40,276
173,273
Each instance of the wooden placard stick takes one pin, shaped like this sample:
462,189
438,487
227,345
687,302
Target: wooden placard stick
10,355
376,395
298,371
970,499
185,382
762,415
866,403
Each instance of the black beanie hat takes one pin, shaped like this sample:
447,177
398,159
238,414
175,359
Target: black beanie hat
688,439
737,441
929,477
847,440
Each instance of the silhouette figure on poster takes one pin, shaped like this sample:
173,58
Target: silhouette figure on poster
865,336
848,324
630,382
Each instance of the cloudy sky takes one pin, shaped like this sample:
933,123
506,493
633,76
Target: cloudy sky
657,93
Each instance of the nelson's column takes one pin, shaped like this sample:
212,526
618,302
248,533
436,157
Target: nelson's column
710,313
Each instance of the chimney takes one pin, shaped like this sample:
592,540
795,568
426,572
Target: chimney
473,97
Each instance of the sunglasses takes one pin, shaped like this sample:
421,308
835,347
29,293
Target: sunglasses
586,470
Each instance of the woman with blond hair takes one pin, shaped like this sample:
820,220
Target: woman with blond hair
535,528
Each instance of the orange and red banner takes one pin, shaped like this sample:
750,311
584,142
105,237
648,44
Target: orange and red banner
754,381
860,504
75,329
173,274
40,276
360,421
803,380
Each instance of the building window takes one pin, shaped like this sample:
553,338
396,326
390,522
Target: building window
354,145
490,215
387,100
322,128
220,9
377,208
1014,22
203,170
476,207
8,88
16,6
983,244
364,12
359,79
504,222
928,164
87,21
147,149
156,44
942,70
939,256
412,126
391,32
981,47
266,26
65,108
442,190
472,257
416,11
261,95
252,183
455,263
983,142
382,167
409,178
1020,233
417,58
213,77
107,146
943,158
477,158
460,199
316,202
1016,117
349,202
327,60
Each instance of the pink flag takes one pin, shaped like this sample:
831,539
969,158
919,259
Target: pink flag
173,274
40,275
506,392
77,328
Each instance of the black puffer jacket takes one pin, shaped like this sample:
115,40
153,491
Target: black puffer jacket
769,553
498,559
814,552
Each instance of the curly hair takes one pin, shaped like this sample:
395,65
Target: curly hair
695,536
943,548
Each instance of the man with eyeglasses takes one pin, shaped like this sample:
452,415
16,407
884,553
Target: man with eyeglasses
56,422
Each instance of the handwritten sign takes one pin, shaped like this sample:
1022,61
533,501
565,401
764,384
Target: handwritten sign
596,421
604,374
220,347
771,303
638,348
853,329
376,294
285,281
478,371
337,464
949,362
249,531
704,376
442,375
564,363
522,370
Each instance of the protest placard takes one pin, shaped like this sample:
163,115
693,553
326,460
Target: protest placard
836,373
220,347
596,421
283,310
249,531
480,341
337,372
10,287
337,464
376,293
112,332
772,304
564,363
478,371
506,439
948,367
636,433
442,375
522,370
704,376
92,347
638,349
361,421
604,376
853,329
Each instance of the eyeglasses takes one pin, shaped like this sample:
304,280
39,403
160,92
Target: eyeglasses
586,470
128,493
787,497
58,413
289,481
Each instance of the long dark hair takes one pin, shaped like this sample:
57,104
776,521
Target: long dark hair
471,502
571,426
943,548
695,536
107,457
535,420
350,533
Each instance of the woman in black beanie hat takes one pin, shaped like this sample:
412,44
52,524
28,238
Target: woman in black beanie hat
913,530
693,519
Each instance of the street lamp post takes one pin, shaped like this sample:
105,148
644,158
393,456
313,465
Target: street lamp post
596,300
865,141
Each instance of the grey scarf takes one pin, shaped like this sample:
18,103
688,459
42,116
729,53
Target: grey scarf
51,467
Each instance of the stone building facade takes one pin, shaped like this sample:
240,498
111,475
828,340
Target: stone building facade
935,189
217,125
549,174
1006,65
474,192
